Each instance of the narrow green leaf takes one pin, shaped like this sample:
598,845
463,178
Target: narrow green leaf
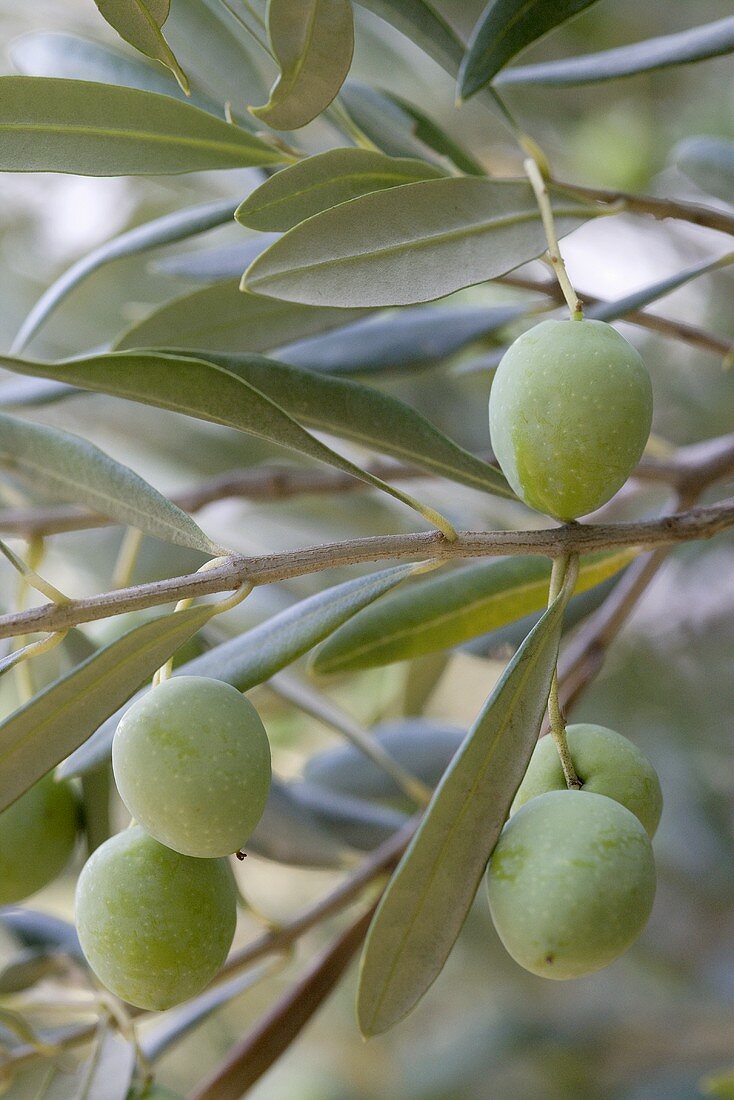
424,907
255,656
97,786
384,122
166,230
501,643
289,832
27,968
419,22
421,745
696,44
323,181
140,23
50,125
409,244
402,340
55,54
367,416
207,392
36,929
428,131
72,468
450,608
638,299
221,56
360,824
223,318
40,734
709,163
506,27
313,42
207,265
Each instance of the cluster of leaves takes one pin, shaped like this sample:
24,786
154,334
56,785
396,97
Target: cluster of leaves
350,244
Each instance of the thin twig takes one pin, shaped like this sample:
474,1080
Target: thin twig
698,523
676,330
274,483
661,209
253,1056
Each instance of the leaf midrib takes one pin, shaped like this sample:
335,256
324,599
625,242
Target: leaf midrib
530,667
411,243
149,136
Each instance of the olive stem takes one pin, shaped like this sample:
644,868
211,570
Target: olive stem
244,590
127,557
538,185
562,573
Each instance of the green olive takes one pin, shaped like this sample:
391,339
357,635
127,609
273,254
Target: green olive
37,838
192,765
569,415
606,763
155,926
571,883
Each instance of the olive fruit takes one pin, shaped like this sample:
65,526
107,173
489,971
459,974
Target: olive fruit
569,415
606,763
192,764
571,883
37,837
154,925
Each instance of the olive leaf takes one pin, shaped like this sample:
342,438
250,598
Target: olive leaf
51,125
506,27
170,228
55,54
408,244
428,131
360,824
222,318
620,307
423,25
423,746
204,390
709,163
323,181
208,265
313,43
350,410
402,340
290,832
221,56
426,901
255,656
41,733
76,470
448,609
140,23
681,48
384,122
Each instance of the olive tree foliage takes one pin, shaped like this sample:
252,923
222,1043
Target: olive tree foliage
357,215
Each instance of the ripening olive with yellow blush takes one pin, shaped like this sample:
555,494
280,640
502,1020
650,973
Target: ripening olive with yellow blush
37,838
192,764
606,763
571,883
569,415
154,925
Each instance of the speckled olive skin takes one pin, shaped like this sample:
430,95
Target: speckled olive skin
192,764
571,883
606,763
155,926
37,838
569,415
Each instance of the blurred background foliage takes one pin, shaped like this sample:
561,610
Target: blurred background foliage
661,1020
